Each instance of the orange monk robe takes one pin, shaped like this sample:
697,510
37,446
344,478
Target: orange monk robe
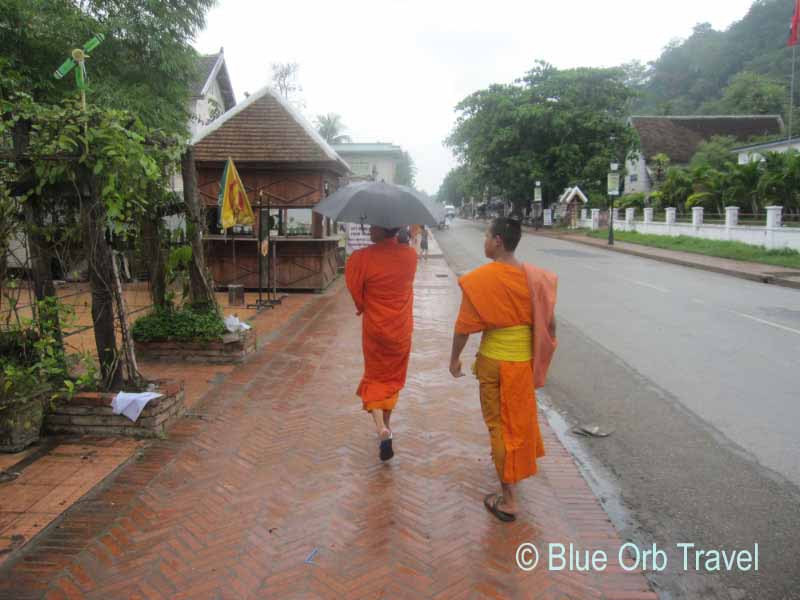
380,279
497,296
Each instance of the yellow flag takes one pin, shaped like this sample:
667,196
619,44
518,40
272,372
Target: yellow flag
236,209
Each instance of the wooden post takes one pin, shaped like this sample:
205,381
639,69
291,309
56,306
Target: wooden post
201,287
316,225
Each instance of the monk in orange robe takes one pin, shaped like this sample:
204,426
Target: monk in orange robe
513,304
380,279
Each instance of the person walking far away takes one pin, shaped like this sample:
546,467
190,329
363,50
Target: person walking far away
513,304
424,243
381,279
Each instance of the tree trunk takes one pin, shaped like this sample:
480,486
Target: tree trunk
156,258
101,279
39,255
200,284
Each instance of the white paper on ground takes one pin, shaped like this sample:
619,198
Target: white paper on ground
233,324
131,404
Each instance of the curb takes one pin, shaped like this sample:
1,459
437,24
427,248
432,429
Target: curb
768,279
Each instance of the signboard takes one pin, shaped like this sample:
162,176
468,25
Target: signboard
357,237
613,184
537,194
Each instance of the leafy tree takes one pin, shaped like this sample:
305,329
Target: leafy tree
743,186
715,153
780,179
676,189
752,93
710,188
406,170
709,71
455,187
330,127
145,65
558,127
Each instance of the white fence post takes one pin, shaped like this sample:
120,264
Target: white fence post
584,214
630,213
774,214
697,216
595,219
648,215
670,216
731,216
615,212
548,216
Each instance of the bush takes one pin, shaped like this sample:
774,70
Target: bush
185,324
632,200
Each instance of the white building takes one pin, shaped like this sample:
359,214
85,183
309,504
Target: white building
375,162
679,137
756,152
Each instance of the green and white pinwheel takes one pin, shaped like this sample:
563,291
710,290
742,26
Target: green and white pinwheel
78,59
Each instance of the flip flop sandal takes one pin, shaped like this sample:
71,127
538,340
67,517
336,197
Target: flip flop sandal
386,449
491,506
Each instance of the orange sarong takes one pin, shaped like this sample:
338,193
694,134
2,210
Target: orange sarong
381,279
498,296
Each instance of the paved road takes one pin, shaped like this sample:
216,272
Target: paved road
697,373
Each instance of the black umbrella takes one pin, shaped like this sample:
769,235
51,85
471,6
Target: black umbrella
382,204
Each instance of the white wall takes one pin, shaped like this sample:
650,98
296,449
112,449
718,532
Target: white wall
748,156
639,169
770,237
363,164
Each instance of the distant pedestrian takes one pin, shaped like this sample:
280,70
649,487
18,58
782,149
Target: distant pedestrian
424,243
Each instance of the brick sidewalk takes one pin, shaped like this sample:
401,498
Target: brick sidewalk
280,464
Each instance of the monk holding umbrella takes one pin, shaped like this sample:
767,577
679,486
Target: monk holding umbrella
380,278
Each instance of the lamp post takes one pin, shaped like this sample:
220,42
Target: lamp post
613,190
537,203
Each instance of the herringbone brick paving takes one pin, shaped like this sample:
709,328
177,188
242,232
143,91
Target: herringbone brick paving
283,462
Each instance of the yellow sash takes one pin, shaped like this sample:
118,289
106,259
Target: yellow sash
512,344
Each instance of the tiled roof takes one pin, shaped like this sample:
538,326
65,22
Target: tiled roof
209,67
679,137
265,129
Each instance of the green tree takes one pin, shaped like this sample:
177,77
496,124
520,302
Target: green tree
330,127
743,189
715,153
753,94
455,187
676,189
406,170
557,127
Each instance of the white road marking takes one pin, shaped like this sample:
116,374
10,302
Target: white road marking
649,285
770,323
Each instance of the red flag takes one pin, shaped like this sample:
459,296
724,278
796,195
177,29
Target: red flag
793,36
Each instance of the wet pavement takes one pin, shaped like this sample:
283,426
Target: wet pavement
272,488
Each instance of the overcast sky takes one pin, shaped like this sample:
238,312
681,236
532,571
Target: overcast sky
395,69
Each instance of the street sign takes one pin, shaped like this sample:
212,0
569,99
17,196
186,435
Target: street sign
613,184
537,194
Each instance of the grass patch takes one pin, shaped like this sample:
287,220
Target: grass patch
721,249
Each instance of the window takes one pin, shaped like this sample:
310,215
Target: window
633,178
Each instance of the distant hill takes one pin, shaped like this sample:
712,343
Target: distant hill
694,76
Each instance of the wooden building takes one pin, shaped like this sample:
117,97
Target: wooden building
284,164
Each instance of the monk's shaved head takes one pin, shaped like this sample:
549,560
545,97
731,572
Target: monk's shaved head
509,230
